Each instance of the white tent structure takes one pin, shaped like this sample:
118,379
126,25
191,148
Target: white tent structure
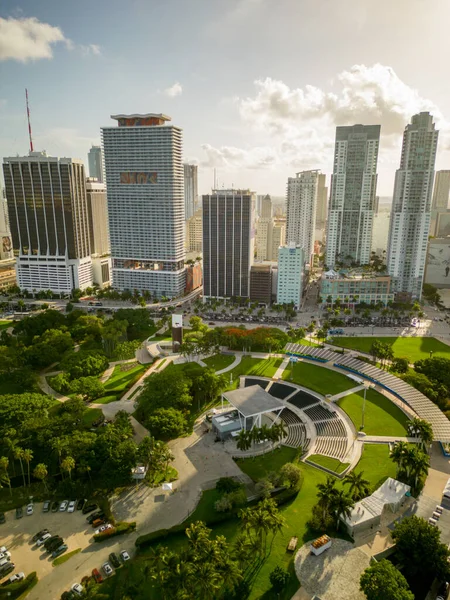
366,514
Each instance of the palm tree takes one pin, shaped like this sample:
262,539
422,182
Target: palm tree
422,429
40,472
419,465
341,505
325,492
58,445
28,457
358,487
18,455
4,475
244,440
68,464
241,550
398,455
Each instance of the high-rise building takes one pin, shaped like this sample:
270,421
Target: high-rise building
441,190
266,207
291,261
98,217
322,202
190,190
49,219
144,181
228,243
95,160
6,248
194,232
301,204
410,216
352,198
277,238
261,283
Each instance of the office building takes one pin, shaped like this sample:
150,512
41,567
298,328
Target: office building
263,227
301,205
355,287
6,249
352,197
190,190
261,283
411,206
277,238
266,207
441,190
95,161
145,192
194,232
322,202
98,217
194,277
291,260
49,222
228,243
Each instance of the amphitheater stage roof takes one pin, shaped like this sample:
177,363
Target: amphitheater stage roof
252,400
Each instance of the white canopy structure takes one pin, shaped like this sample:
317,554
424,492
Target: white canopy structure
252,402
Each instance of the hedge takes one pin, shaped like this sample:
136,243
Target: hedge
120,528
14,590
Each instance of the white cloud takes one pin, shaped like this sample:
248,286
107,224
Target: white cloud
175,90
27,39
260,157
90,49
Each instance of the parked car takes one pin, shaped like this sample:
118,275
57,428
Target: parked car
6,568
71,506
98,522
114,560
5,556
19,512
55,506
81,503
87,508
43,539
30,509
16,577
107,569
77,589
53,542
59,551
103,528
3,548
97,515
97,576
39,534
46,506
124,555
63,505
2,518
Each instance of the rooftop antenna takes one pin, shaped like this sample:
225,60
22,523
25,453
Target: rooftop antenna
215,179
29,123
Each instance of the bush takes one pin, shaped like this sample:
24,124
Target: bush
223,504
290,474
120,528
167,423
14,590
278,579
226,485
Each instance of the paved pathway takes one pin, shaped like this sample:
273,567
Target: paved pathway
388,438
234,364
346,393
45,387
281,368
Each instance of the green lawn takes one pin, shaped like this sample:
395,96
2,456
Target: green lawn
264,367
259,467
6,324
119,382
65,557
376,464
412,348
319,379
219,361
91,415
333,464
382,417
308,342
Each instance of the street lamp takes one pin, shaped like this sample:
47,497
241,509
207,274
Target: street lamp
431,353
363,407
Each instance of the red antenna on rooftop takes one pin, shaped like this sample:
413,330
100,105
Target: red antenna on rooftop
29,123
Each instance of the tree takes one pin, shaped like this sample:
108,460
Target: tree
40,472
290,474
90,388
28,457
383,581
244,440
358,486
278,579
264,487
167,423
400,365
421,429
4,475
341,505
398,455
325,493
84,363
419,549
261,520
68,464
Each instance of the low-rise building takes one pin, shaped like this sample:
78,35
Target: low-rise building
194,232
261,283
356,287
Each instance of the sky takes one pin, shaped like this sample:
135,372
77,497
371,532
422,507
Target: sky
258,86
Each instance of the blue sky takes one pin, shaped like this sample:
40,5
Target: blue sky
257,85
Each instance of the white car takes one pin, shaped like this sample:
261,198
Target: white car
124,555
63,505
107,569
29,509
5,556
103,528
77,589
43,539
16,577
71,506
3,549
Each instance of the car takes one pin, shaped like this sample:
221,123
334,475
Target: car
46,506
77,589
59,551
87,508
98,522
43,539
98,515
55,506
5,556
54,539
39,534
103,528
3,548
63,505
97,576
7,568
114,560
107,569
81,503
2,518
19,512
71,506
124,555
55,545
16,577
30,509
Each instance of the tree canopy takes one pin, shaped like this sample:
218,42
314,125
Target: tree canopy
383,581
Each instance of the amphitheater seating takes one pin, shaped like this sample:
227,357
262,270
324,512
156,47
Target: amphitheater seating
261,382
280,390
302,400
297,435
331,428
319,413
331,446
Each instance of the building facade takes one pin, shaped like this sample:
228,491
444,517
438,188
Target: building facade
411,206
194,232
291,261
441,190
190,190
277,238
49,222
266,207
301,206
228,243
322,202
98,217
6,248
261,283
352,197
95,161
356,288
145,192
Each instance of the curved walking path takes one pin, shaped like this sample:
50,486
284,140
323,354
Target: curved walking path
234,364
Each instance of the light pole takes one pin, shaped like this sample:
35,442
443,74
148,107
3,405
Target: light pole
363,407
431,353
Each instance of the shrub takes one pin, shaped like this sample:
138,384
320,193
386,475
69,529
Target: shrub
227,485
167,423
119,529
14,590
264,487
290,474
278,579
223,504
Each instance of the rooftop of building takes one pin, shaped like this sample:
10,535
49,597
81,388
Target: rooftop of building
252,400
355,274
262,267
41,156
160,116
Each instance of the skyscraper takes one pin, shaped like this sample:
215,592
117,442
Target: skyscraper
441,190
291,260
95,160
49,222
266,207
322,202
194,232
353,191
227,243
144,180
98,217
410,216
301,204
190,190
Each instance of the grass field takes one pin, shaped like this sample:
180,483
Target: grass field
65,557
259,467
91,415
119,382
219,361
382,417
333,464
5,324
308,342
412,348
318,379
376,464
264,367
